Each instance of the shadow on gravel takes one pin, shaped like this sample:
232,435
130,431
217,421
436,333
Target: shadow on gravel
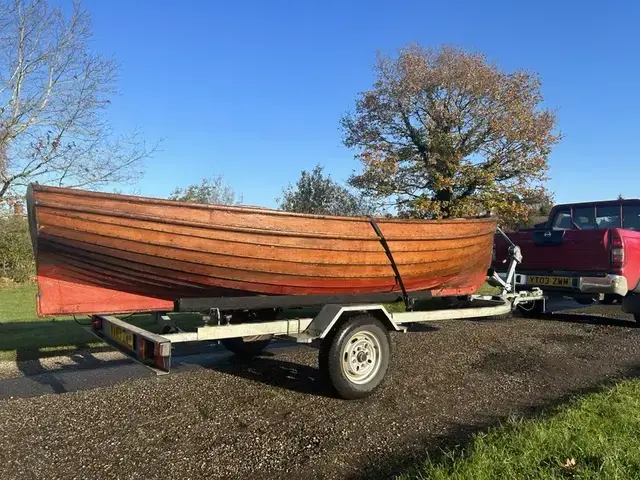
35,371
513,362
421,327
388,467
277,373
590,319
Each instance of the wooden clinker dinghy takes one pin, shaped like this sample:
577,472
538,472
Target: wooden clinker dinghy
108,253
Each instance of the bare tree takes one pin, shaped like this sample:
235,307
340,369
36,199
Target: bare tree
209,190
53,91
444,133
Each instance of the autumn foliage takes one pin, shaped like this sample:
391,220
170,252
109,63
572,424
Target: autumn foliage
444,133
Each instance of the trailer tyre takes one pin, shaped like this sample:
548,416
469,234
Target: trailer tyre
355,359
247,346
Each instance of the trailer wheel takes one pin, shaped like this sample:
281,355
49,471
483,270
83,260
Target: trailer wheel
247,346
356,358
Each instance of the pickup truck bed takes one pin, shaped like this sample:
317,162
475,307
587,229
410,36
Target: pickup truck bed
599,261
585,249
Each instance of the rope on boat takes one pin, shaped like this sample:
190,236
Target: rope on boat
405,297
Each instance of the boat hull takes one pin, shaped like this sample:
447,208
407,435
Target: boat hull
106,253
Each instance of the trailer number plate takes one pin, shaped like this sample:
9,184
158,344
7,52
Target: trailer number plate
549,281
121,336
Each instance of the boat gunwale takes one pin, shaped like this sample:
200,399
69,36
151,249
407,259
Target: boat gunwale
250,230
248,209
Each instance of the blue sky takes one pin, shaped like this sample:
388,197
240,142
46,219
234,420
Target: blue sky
254,90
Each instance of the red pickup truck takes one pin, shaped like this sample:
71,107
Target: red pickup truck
584,250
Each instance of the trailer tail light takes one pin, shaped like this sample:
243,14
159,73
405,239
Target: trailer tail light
162,356
142,348
96,322
617,250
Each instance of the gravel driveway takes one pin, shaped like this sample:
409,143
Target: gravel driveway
271,418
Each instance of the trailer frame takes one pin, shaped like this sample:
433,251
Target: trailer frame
354,351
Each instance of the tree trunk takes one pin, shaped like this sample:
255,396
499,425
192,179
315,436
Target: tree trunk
443,197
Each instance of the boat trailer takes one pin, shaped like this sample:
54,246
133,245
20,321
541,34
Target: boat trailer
353,336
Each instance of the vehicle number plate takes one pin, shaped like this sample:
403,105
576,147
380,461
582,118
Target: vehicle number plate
121,336
549,281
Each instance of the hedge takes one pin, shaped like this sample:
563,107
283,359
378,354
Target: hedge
16,253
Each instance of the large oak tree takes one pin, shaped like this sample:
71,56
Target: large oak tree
444,133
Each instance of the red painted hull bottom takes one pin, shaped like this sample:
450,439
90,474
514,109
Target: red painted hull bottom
60,292
57,296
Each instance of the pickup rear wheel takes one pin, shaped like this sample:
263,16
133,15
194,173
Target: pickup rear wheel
531,309
610,299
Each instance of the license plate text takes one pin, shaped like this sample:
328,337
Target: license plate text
121,336
549,281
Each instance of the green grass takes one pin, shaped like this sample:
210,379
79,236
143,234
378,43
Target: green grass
18,303
487,289
595,437
24,336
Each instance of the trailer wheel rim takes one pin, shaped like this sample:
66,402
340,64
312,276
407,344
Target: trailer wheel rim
361,357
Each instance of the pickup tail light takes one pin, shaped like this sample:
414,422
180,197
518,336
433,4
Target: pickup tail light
617,250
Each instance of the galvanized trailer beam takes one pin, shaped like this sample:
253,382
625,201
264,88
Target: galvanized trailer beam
290,327
302,329
306,330
501,307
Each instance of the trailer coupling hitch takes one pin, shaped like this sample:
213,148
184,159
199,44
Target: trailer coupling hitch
515,258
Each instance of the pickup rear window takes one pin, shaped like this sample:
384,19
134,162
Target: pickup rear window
585,218
631,217
596,216
608,217
562,220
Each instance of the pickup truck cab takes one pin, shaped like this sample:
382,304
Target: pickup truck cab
584,250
